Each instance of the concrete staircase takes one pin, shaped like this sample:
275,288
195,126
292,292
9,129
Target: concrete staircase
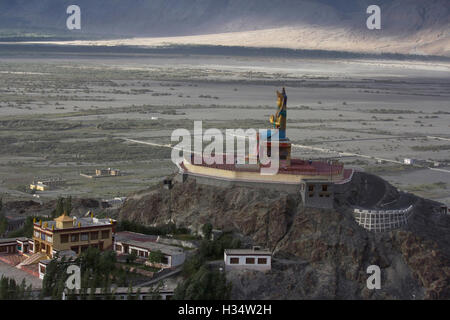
34,258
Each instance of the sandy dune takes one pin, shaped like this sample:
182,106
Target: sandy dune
303,37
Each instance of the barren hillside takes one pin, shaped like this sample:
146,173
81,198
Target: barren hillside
319,253
408,26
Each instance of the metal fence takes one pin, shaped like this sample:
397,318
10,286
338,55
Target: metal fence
382,220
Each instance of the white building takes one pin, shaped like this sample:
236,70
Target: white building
408,161
43,264
140,244
256,259
122,293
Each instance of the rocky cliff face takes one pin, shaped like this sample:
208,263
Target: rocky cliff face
319,253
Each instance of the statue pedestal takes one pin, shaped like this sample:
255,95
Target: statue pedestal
272,139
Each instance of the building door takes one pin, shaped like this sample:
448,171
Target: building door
100,245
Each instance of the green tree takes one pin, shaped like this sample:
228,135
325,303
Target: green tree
21,290
4,286
130,293
50,277
12,289
27,229
205,284
154,291
156,256
59,210
3,224
68,205
29,293
92,290
192,265
130,258
213,249
207,230
58,289
3,220
138,293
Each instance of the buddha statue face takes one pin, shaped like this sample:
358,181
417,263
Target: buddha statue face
279,100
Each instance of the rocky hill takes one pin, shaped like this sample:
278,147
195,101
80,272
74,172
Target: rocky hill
321,254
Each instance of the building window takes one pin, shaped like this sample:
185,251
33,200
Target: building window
94,235
324,187
118,247
36,234
85,236
84,248
234,260
262,260
105,234
42,269
165,260
310,188
64,238
50,238
74,237
249,260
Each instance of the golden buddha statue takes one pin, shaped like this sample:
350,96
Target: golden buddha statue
279,119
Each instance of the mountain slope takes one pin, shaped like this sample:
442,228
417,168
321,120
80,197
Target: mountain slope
408,26
319,253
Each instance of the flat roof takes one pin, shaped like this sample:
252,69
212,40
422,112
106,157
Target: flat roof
128,235
85,222
248,252
147,242
8,240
